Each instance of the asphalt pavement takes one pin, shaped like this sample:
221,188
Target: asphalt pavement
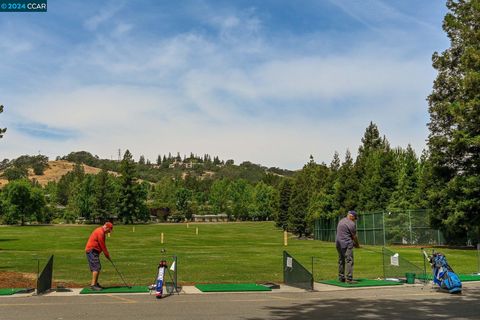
326,302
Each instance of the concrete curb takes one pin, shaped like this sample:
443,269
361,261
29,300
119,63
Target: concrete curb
192,290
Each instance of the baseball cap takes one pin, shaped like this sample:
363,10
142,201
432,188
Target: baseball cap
353,213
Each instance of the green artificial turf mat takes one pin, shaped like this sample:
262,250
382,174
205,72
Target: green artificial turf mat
361,283
134,289
10,291
463,277
469,277
231,287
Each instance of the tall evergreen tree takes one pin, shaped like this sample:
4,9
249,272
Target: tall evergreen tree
104,196
127,205
376,170
405,192
284,204
454,140
335,164
67,184
141,212
403,199
371,141
321,197
297,216
84,198
424,171
346,186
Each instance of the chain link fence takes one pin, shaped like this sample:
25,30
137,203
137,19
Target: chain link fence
407,227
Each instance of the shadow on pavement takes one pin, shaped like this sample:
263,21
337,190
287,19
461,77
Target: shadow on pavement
451,306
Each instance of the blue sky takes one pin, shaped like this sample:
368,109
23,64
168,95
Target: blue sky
268,81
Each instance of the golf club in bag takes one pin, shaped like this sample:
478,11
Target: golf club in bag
162,267
121,276
443,274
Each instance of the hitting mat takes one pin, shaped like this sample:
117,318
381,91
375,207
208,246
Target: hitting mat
361,283
231,287
10,291
463,277
133,289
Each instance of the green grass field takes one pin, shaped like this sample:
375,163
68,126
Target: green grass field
220,253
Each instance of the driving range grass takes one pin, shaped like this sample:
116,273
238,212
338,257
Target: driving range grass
220,253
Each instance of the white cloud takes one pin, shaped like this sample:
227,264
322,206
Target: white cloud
376,14
106,12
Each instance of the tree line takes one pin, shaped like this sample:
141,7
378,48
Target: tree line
380,177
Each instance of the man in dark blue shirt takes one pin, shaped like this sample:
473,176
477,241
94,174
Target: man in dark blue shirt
345,241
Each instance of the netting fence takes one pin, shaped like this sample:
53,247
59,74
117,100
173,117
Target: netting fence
407,227
396,266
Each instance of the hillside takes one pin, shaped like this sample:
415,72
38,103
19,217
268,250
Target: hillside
172,167
55,170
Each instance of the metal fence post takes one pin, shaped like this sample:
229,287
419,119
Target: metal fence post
383,227
373,220
383,263
478,256
364,231
410,225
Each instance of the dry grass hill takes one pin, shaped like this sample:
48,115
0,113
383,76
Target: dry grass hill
54,171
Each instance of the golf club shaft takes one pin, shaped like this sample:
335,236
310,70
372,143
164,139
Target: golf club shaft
114,266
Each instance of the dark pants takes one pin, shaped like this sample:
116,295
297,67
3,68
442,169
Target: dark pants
345,256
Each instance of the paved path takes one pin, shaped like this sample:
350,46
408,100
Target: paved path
328,302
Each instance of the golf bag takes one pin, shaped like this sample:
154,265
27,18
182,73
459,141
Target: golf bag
162,267
443,274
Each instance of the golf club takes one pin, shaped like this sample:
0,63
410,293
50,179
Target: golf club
113,264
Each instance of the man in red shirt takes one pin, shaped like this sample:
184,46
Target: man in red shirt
95,246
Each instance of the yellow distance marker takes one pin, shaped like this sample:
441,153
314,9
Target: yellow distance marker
285,238
161,238
196,231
